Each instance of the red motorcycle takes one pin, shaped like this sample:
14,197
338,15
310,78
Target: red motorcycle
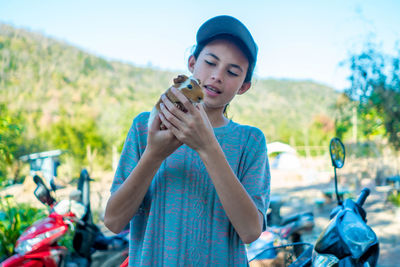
38,245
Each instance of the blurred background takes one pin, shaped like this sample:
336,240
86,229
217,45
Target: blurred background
73,75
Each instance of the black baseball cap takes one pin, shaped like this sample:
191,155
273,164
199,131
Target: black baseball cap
228,26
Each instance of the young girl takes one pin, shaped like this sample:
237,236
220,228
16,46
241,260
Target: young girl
196,193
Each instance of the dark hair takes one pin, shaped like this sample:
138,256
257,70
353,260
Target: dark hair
252,63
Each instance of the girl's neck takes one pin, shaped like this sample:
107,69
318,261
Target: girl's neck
216,117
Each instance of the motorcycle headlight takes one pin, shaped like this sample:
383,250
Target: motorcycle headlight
357,235
346,235
29,244
323,260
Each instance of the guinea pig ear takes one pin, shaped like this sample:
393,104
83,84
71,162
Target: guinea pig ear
195,79
180,79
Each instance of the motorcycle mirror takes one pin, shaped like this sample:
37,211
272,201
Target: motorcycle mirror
38,180
337,151
41,192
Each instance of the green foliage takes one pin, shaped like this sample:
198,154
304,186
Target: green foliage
344,113
394,198
14,219
375,79
372,122
10,131
68,240
69,99
368,149
322,129
75,136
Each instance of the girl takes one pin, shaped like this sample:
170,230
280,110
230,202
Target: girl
195,193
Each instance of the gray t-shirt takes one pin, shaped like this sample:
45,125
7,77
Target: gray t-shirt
181,221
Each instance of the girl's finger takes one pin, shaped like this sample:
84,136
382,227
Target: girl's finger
169,120
155,125
169,126
183,99
172,108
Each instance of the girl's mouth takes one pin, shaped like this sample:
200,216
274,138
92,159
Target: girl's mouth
211,90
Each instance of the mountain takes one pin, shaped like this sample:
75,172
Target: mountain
48,81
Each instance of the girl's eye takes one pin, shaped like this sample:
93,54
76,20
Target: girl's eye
210,63
232,73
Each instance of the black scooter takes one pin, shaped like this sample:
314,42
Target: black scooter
347,240
89,242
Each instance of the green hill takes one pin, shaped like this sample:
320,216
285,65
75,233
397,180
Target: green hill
53,87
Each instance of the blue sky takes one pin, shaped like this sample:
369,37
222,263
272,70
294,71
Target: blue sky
297,39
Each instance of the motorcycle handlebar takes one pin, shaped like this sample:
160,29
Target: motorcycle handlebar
37,179
363,196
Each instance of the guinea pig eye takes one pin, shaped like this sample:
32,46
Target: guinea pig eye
190,86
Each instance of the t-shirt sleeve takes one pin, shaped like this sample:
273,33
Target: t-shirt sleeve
255,174
133,148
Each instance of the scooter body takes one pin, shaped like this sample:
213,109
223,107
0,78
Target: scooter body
37,245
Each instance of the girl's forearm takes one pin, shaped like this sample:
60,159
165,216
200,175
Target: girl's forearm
238,205
123,203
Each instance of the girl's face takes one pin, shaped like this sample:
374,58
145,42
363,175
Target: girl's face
221,67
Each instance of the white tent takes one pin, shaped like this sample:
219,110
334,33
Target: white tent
279,147
286,159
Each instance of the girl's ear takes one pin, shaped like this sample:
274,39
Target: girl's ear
191,63
245,87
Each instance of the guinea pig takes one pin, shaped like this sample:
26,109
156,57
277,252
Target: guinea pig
189,86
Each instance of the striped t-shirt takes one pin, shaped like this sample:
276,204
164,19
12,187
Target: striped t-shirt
181,221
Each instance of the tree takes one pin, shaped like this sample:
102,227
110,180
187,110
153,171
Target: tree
343,113
375,86
76,135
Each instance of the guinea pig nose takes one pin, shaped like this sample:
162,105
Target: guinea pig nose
190,86
200,98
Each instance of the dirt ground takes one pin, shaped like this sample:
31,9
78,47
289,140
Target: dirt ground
382,217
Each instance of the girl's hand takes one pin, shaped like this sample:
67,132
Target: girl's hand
192,127
161,143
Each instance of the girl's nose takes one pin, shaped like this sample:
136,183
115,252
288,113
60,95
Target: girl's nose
217,75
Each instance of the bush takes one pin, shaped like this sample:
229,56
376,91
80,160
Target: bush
14,219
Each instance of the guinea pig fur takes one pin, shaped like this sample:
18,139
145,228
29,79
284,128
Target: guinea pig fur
189,86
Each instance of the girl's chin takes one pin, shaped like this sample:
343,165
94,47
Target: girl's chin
212,106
